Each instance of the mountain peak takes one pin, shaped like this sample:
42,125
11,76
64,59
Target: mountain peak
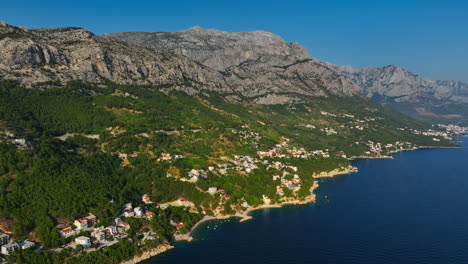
220,49
194,28
392,67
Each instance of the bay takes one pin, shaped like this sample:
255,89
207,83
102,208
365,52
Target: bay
410,209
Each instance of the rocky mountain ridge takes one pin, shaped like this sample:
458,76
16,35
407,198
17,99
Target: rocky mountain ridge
434,100
41,55
402,85
217,49
262,58
271,72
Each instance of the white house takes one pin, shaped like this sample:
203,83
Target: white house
275,177
66,232
20,141
266,200
164,206
194,178
146,199
182,202
99,235
112,230
195,172
7,249
138,212
213,190
81,223
130,213
26,244
279,190
84,241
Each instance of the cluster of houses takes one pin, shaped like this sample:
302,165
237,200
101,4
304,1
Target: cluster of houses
329,131
327,114
244,164
376,148
116,230
168,157
454,129
7,246
433,133
247,136
284,151
213,190
194,174
138,212
164,156
293,184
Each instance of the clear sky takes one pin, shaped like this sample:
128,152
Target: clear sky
428,37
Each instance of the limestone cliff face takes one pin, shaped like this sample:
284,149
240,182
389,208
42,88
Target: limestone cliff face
256,66
217,49
403,86
63,54
148,254
432,100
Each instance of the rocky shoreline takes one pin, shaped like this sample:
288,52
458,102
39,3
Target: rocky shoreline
329,174
149,253
244,215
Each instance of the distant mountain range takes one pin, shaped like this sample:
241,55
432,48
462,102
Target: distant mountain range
256,66
423,98
433,100
272,71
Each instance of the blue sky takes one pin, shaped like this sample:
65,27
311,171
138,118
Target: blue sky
428,37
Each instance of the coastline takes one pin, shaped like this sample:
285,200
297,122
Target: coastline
148,254
399,150
244,216
372,157
330,174
439,147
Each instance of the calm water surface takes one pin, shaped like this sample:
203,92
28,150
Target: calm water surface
411,209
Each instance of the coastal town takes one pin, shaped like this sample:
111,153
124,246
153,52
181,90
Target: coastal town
87,234
121,140
290,183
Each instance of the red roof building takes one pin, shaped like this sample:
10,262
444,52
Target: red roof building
149,214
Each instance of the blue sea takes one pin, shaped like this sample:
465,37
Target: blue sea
410,209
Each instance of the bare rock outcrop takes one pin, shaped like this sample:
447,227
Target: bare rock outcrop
148,254
256,66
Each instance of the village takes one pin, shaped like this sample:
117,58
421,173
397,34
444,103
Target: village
85,233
